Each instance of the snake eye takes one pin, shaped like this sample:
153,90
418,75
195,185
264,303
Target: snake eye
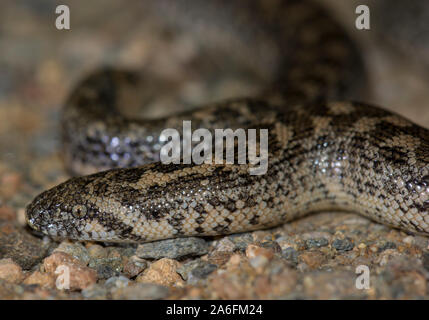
79,211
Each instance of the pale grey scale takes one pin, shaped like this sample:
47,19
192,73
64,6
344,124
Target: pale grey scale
322,155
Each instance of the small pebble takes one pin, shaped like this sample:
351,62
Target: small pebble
10,271
362,246
105,271
162,272
241,240
134,266
316,243
225,245
172,248
44,280
196,270
80,275
96,251
109,265
219,257
290,254
386,256
343,244
313,259
75,249
253,251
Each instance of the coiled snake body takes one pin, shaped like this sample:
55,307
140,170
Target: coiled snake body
324,154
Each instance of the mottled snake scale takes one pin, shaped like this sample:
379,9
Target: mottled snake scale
325,151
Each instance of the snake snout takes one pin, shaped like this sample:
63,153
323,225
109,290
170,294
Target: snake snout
33,215
41,213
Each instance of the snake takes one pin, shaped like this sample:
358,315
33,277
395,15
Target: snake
326,150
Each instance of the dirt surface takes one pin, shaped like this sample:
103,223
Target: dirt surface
312,258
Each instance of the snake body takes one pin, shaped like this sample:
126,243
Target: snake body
324,152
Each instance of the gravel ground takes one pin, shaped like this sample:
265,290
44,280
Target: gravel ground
313,258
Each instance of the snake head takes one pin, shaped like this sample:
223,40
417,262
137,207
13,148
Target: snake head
52,213
66,211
